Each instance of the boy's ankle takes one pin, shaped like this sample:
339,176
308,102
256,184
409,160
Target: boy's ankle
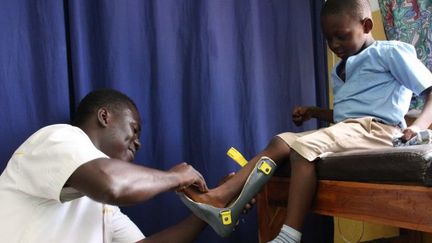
287,235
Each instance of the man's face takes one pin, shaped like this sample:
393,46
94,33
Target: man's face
345,35
122,135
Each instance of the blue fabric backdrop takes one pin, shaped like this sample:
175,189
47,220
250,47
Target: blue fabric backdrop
206,75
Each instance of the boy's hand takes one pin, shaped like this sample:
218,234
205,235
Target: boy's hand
301,114
409,133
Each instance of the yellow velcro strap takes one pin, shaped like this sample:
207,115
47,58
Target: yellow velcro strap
237,156
265,168
226,217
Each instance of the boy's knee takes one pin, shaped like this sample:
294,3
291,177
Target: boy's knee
294,157
277,149
301,166
277,143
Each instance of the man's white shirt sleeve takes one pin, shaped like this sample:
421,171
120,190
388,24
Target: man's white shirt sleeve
49,157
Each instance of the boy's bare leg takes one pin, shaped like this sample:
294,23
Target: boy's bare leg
301,193
302,189
220,196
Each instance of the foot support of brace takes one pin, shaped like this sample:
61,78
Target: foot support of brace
223,220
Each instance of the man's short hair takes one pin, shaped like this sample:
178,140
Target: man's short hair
112,99
356,8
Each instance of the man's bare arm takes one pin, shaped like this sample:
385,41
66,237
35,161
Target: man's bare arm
117,182
184,232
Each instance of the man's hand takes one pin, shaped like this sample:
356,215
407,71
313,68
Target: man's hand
301,114
188,176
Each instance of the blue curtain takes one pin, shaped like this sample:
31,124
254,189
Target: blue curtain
206,75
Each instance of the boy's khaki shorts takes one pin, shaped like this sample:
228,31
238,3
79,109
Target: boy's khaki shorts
351,134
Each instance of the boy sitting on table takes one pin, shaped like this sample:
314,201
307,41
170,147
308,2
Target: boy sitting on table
372,85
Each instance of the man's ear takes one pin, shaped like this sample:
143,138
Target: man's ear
367,25
103,116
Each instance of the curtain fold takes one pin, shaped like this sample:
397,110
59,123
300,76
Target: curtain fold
206,75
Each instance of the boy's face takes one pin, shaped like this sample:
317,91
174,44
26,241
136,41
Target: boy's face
345,35
122,137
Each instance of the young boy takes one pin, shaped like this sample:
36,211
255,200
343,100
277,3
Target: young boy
373,85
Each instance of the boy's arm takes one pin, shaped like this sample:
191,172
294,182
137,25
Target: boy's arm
301,114
424,120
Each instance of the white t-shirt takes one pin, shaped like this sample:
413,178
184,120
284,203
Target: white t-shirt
34,206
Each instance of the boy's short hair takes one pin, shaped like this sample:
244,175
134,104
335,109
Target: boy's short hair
356,8
109,98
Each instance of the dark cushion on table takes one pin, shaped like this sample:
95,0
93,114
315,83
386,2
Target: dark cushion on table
411,164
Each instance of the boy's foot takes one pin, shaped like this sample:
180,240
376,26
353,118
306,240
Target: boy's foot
223,218
287,235
206,198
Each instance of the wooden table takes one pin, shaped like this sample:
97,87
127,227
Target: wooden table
404,206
